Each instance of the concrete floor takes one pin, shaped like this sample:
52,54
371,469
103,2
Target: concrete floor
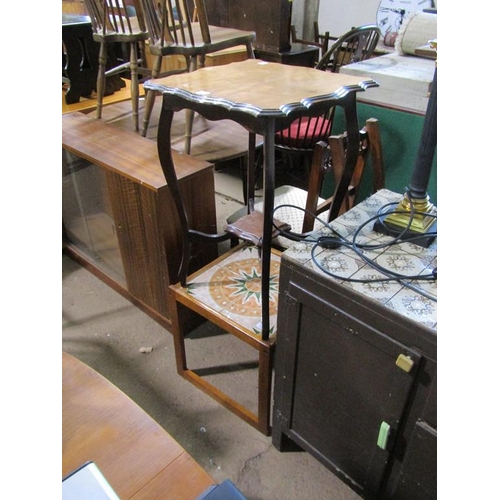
107,332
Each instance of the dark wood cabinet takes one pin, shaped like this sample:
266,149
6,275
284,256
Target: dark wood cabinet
270,19
355,386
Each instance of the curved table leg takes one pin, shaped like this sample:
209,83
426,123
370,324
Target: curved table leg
167,165
81,60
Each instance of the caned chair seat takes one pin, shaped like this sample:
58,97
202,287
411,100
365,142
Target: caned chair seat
303,210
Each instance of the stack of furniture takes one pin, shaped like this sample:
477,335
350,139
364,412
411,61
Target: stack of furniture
175,30
271,21
242,92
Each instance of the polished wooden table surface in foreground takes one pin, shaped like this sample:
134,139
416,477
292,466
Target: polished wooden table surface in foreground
264,98
137,456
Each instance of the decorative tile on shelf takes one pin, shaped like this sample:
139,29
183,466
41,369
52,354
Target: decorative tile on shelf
232,288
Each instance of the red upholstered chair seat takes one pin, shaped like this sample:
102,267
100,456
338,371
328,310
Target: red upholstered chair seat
304,132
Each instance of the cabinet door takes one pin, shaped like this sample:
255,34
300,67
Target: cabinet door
270,19
418,479
339,389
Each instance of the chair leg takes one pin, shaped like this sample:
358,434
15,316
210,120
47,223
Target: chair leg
317,173
188,130
148,109
150,98
134,85
192,66
376,154
178,335
101,78
264,392
250,52
337,150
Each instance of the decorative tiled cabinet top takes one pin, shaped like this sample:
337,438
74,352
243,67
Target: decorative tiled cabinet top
351,265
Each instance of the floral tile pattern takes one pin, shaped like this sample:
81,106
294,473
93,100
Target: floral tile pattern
364,269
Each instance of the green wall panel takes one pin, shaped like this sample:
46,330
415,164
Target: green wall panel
400,134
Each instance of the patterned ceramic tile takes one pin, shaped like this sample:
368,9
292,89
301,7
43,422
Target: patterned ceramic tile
415,299
423,253
428,287
300,252
232,288
367,281
353,221
334,227
364,248
385,196
337,264
400,263
374,204
415,306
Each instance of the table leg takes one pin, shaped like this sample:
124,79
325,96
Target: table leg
164,143
249,174
81,61
269,176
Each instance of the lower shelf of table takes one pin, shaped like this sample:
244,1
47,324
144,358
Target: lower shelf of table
229,290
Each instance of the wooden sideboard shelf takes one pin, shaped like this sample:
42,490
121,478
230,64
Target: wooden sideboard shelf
119,220
350,365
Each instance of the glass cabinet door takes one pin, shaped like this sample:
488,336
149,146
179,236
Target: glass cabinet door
87,216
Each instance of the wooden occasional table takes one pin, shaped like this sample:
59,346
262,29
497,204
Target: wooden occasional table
264,98
137,456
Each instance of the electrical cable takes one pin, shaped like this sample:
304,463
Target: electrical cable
336,240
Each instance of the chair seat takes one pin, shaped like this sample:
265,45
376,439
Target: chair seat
228,291
249,227
116,37
304,132
135,34
286,195
221,38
